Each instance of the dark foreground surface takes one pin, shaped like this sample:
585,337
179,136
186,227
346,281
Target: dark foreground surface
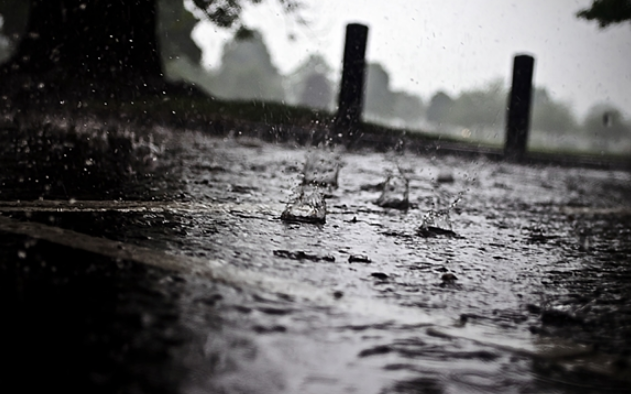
156,261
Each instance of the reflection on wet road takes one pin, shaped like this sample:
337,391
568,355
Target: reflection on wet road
365,302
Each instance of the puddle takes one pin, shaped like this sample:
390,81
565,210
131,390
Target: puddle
463,291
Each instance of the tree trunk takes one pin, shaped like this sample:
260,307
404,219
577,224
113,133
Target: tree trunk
76,41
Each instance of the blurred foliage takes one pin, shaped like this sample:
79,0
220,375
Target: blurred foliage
607,129
13,15
378,96
309,85
247,71
480,107
604,121
383,103
408,107
175,21
317,92
226,13
243,33
305,85
607,12
175,24
486,107
439,106
551,116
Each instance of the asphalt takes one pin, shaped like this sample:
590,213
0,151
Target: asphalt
157,261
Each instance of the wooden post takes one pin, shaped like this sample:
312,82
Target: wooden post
518,114
351,94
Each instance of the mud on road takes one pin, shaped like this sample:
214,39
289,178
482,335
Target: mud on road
168,269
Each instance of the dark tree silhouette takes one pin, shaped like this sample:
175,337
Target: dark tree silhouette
100,44
175,24
101,39
13,26
607,12
226,13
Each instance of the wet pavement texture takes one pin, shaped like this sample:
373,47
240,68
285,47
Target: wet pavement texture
517,283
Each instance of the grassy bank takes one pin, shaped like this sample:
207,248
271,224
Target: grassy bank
274,122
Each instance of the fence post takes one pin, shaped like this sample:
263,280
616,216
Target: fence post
351,94
518,114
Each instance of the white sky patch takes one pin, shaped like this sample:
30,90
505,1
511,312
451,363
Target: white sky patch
453,44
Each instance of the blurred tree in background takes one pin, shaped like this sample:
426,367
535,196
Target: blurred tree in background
309,84
551,116
317,92
227,13
175,24
480,107
247,71
408,107
78,39
606,127
378,100
107,47
384,104
439,107
486,107
604,121
607,12
14,15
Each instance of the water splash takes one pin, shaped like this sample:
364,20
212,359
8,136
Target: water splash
395,192
319,177
308,206
437,221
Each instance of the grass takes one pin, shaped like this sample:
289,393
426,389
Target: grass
197,111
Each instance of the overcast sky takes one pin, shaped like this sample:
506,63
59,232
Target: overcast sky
454,44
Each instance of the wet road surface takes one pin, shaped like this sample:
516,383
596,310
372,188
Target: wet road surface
168,269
